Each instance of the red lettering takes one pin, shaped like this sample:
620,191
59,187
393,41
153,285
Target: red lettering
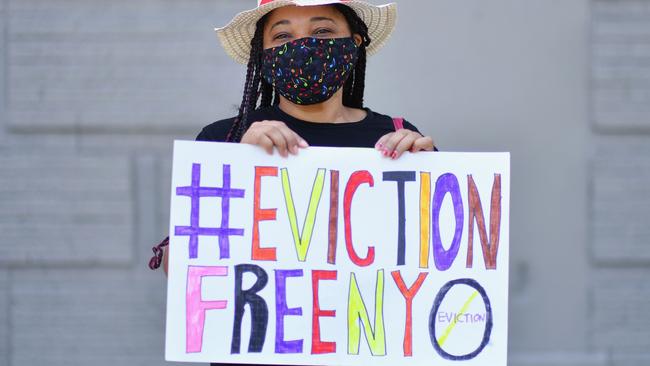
356,179
318,346
262,214
409,294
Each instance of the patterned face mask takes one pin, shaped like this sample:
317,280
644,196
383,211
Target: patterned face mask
310,70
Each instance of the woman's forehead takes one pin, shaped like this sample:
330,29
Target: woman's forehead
295,14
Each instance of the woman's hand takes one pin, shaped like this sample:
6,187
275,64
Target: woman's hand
269,134
394,144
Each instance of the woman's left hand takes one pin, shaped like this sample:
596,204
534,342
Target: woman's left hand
394,144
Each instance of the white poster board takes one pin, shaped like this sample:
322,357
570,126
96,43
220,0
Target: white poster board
337,256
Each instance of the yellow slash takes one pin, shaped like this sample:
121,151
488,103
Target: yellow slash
451,325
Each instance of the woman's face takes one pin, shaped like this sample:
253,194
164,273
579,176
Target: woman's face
293,22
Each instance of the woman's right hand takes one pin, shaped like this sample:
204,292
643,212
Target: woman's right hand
269,134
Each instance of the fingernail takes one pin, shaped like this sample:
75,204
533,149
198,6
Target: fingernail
393,155
303,143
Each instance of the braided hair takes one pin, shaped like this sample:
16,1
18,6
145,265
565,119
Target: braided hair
256,88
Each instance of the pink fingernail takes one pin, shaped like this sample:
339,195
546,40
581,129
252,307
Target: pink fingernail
393,155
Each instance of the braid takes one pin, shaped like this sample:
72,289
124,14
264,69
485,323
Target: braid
257,89
253,86
267,94
276,98
354,87
356,97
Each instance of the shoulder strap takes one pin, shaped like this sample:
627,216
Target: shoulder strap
398,122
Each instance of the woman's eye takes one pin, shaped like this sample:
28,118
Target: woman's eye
280,36
323,31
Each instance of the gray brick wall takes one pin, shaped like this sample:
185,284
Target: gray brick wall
621,201
89,317
621,65
3,72
92,96
620,181
619,297
92,93
65,210
5,329
122,66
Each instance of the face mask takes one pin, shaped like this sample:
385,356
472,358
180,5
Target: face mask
310,70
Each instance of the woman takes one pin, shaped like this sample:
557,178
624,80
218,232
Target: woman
307,64
306,78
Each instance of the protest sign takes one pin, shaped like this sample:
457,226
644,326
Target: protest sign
337,256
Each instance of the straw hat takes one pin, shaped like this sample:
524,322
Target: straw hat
236,36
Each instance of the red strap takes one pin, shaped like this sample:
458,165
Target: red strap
398,122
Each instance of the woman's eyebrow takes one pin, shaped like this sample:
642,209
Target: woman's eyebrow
281,22
317,19
313,19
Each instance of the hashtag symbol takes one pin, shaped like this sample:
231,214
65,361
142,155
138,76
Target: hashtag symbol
196,192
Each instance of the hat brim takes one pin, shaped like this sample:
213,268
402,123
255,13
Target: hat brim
236,36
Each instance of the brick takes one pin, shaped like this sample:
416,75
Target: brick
625,75
48,144
147,193
65,210
613,53
87,317
5,330
133,144
621,200
624,29
121,66
620,147
620,96
618,320
3,50
622,117
630,359
621,65
558,359
620,9
165,182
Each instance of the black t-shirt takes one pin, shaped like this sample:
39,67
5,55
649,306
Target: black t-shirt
364,133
